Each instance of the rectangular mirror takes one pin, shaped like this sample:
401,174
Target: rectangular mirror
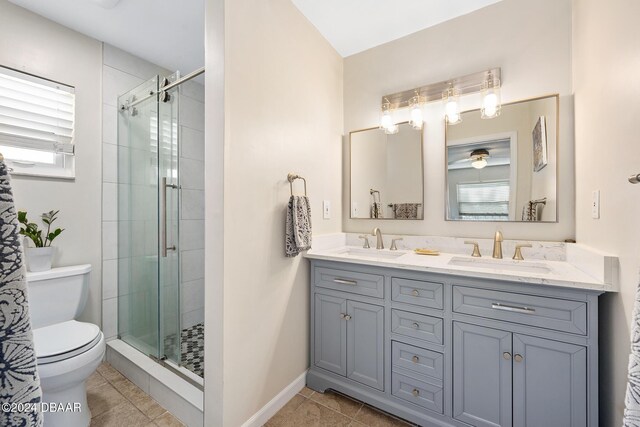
505,168
386,174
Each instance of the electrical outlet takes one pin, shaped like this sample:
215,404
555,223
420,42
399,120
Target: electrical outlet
326,209
595,204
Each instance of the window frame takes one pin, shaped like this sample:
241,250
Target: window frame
64,160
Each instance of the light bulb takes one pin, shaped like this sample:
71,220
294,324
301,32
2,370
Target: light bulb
386,121
452,112
391,129
491,104
451,107
416,117
479,163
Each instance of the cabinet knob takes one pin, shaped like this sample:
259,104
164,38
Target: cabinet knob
506,355
518,358
342,315
416,392
347,317
415,293
416,326
415,359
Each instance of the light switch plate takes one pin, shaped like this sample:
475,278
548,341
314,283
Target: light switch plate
595,204
354,209
326,209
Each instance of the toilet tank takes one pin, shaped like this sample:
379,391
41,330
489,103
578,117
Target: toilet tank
57,295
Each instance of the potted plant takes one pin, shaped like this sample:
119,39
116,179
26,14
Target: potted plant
39,258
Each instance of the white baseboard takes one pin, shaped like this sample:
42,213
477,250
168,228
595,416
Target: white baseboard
270,409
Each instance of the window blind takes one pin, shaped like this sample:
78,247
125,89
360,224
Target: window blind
484,200
36,113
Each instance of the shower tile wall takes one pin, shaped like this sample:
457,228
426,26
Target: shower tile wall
191,116
122,72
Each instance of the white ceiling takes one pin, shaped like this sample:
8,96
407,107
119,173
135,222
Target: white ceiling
169,33
352,26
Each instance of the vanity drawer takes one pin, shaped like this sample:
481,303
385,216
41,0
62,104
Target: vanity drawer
371,285
550,313
416,359
428,396
426,328
418,292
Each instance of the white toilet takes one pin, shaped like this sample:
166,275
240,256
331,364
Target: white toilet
68,351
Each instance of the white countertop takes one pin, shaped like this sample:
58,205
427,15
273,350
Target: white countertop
560,273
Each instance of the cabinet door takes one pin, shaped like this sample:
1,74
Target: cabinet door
549,383
482,376
365,344
330,332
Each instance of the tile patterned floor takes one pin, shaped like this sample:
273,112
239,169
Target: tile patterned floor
117,402
192,349
312,409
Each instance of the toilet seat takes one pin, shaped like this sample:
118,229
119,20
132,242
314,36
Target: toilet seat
62,341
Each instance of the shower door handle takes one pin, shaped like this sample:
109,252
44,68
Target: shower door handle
163,218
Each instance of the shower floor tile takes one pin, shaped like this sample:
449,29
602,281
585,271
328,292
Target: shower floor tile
192,349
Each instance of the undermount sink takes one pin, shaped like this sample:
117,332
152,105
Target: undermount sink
371,253
497,264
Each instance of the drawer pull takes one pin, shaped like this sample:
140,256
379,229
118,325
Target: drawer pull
518,358
416,326
516,309
415,359
506,355
415,392
415,293
345,281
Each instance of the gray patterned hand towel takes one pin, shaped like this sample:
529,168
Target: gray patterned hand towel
19,382
405,210
298,226
632,400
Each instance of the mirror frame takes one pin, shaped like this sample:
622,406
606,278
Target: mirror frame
557,151
422,163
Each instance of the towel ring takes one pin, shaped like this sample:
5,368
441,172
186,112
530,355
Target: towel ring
292,177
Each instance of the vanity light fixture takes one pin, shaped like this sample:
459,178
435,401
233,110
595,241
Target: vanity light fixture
491,103
451,98
386,120
486,82
415,104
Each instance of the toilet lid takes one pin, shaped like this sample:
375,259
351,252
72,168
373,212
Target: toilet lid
64,340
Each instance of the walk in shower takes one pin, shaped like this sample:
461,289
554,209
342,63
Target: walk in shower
161,221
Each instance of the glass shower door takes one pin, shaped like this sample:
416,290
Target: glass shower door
169,266
148,218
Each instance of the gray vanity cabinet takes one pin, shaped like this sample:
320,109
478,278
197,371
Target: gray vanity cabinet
330,347
494,371
349,339
448,351
549,383
482,376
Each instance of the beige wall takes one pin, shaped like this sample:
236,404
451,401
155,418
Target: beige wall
283,113
530,41
38,46
607,88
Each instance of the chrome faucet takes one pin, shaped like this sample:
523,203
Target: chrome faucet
379,243
497,245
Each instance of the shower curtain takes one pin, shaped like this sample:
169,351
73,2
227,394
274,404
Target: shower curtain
20,391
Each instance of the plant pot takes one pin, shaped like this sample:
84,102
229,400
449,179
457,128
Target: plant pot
39,259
